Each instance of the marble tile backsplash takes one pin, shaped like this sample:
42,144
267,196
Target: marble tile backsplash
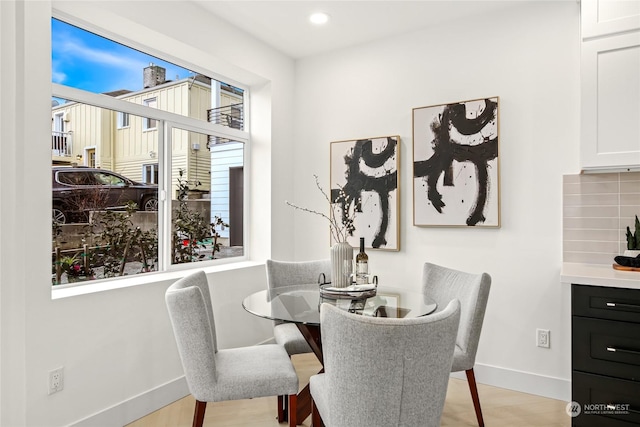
597,208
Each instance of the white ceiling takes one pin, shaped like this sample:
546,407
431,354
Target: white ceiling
285,24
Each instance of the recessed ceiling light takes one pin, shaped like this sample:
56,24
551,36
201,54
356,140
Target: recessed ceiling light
319,18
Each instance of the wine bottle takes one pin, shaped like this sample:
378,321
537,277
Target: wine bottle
362,265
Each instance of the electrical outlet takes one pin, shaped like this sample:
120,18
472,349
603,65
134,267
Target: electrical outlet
543,338
56,380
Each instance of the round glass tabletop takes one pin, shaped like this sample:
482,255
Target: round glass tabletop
301,304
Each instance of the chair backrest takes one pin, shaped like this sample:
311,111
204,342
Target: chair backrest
387,372
189,305
289,273
472,290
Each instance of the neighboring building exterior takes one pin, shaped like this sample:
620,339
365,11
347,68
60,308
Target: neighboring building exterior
96,137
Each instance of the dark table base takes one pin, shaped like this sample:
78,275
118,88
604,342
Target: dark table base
312,334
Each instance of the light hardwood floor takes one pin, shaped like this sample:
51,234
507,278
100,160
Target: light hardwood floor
500,407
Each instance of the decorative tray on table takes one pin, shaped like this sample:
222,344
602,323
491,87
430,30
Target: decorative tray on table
349,292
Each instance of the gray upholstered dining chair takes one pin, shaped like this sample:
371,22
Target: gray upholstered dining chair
213,374
287,273
472,290
381,372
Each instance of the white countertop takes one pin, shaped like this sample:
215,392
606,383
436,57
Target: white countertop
599,275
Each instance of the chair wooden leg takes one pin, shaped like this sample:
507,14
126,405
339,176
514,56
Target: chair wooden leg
198,414
316,419
293,407
283,405
471,379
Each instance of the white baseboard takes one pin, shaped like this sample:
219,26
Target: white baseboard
138,406
526,382
148,402
143,404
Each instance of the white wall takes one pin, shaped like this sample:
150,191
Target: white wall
528,55
12,281
116,346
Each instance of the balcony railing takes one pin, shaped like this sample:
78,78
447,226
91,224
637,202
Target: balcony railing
61,143
230,115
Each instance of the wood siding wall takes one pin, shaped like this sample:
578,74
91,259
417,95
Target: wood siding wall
126,150
223,157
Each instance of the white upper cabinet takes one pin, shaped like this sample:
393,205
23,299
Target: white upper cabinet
607,17
610,81
610,119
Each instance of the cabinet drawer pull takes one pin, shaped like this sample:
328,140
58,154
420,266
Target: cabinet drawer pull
622,350
622,407
622,305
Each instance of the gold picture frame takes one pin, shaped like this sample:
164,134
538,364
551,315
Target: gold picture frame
364,183
456,174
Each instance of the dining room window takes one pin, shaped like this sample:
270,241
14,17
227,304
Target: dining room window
153,201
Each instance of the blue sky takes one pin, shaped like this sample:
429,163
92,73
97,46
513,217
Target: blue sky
86,61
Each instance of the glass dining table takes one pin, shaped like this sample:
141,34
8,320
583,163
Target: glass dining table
300,305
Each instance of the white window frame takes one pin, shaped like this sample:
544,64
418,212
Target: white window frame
152,167
124,120
58,121
164,154
149,123
170,121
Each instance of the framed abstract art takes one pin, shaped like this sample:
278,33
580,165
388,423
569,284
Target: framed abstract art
364,186
456,164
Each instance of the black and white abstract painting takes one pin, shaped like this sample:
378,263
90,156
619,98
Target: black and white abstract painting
364,186
455,164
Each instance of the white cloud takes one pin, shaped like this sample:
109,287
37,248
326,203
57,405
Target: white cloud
108,65
72,47
58,76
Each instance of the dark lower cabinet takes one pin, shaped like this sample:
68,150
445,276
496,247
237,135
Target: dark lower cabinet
605,355
600,421
590,389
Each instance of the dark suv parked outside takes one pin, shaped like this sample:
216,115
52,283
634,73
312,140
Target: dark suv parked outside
78,190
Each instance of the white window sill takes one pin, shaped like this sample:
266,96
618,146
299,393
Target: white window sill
65,291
